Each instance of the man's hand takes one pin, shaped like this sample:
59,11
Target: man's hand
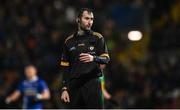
85,57
106,94
13,97
8,100
65,96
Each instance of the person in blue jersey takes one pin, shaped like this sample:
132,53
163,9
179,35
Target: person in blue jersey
33,89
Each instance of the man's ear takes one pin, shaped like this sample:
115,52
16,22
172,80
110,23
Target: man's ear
77,20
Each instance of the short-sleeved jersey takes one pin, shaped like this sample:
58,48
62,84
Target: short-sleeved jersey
29,89
74,45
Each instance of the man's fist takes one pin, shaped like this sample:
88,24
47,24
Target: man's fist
65,97
85,57
8,100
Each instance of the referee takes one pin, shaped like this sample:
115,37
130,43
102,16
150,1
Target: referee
83,52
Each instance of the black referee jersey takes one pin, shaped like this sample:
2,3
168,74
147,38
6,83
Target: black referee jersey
90,42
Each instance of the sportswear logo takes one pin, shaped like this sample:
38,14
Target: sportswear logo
81,44
72,48
91,47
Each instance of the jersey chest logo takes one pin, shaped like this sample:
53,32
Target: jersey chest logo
91,47
82,44
72,48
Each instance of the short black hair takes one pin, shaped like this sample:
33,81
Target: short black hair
27,64
79,15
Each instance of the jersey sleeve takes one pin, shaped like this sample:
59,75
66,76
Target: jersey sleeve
102,54
102,48
65,64
43,86
64,57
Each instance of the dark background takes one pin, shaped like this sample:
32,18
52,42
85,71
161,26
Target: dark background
141,74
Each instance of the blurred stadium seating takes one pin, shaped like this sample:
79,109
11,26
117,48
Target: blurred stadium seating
141,74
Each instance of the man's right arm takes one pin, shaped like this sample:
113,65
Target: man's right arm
16,94
13,97
65,71
64,66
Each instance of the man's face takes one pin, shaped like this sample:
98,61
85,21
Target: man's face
30,72
86,20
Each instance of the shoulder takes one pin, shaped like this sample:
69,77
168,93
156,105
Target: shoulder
98,35
68,38
40,80
21,82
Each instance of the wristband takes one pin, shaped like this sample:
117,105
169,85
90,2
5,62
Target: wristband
8,100
39,96
101,59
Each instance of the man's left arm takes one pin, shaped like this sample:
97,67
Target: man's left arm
44,94
102,56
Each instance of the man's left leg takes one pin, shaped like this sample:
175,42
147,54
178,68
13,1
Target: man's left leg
92,94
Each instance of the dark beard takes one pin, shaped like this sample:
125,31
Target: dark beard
86,31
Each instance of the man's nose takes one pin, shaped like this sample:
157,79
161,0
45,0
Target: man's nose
89,21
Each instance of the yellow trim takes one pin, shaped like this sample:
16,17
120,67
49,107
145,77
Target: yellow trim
71,36
97,34
63,63
105,54
103,86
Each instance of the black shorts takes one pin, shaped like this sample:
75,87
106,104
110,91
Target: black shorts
85,92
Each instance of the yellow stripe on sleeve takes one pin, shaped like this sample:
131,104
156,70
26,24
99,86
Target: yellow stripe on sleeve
63,63
105,55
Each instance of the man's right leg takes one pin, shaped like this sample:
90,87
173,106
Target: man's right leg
75,95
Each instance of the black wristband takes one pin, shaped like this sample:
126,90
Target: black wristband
101,59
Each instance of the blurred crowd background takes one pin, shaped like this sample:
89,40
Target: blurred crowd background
141,74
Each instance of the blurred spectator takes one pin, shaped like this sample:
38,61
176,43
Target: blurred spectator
33,90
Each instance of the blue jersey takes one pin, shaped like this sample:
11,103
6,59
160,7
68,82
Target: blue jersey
29,90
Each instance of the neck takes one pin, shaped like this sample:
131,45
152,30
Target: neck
33,78
82,31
